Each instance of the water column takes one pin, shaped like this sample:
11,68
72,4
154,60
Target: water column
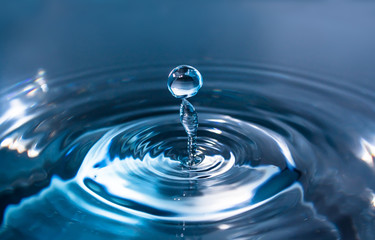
184,82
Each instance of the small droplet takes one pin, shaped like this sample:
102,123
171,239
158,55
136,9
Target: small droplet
184,81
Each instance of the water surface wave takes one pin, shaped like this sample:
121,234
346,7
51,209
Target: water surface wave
95,155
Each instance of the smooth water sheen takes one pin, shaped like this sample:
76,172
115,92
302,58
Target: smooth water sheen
95,155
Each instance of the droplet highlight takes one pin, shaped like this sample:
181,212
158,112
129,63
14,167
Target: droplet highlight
184,81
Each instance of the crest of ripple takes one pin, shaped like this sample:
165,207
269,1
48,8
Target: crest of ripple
135,168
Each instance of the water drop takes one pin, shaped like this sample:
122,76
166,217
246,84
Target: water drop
184,82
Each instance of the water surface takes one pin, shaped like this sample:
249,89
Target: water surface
94,155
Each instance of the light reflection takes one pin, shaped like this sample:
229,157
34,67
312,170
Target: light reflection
215,130
38,84
17,146
224,226
32,153
368,152
217,120
20,145
16,110
373,199
6,142
29,94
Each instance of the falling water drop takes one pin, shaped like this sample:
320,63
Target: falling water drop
184,82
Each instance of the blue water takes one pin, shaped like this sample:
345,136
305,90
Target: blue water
97,155
184,82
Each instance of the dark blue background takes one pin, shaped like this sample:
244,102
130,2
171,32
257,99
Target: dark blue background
332,38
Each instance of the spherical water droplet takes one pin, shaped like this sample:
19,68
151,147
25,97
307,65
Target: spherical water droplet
184,81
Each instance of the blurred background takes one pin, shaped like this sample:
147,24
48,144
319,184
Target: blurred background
330,38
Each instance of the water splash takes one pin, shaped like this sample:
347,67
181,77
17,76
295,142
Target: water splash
276,162
189,120
184,82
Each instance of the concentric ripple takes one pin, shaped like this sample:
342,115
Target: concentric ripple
95,156
135,167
